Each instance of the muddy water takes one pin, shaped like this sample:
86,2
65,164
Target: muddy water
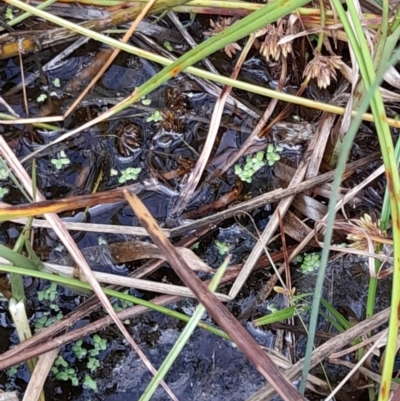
209,368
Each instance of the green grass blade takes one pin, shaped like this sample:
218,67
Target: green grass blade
26,15
258,19
344,323
112,293
336,184
183,338
16,258
389,161
332,321
280,315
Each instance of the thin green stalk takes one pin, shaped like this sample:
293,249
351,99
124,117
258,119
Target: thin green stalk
348,140
16,259
5,116
396,22
344,323
183,338
333,322
383,225
17,284
24,16
257,89
280,315
194,3
112,293
321,36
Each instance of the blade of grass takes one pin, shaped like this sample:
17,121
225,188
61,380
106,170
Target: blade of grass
344,323
390,44
112,293
265,15
257,89
215,308
183,338
348,140
280,315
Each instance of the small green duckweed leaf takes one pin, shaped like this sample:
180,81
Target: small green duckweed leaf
223,248
61,160
102,241
310,263
93,364
74,381
155,117
3,192
62,376
3,174
168,46
131,173
12,371
260,156
60,361
99,343
41,98
9,15
90,384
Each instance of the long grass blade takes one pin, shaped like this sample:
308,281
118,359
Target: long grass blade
348,140
253,22
112,293
183,338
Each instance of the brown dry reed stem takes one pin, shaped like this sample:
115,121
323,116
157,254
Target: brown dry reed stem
215,308
63,35
195,176
73,249
112,57
322,352
41,343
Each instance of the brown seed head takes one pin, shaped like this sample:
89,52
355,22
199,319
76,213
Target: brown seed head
370,227
323,68
219,26
270,47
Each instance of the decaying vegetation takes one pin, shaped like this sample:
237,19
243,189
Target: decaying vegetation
186,117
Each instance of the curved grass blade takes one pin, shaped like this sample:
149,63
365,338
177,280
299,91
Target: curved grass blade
112,293
348,140
280,315
183,338
257,20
